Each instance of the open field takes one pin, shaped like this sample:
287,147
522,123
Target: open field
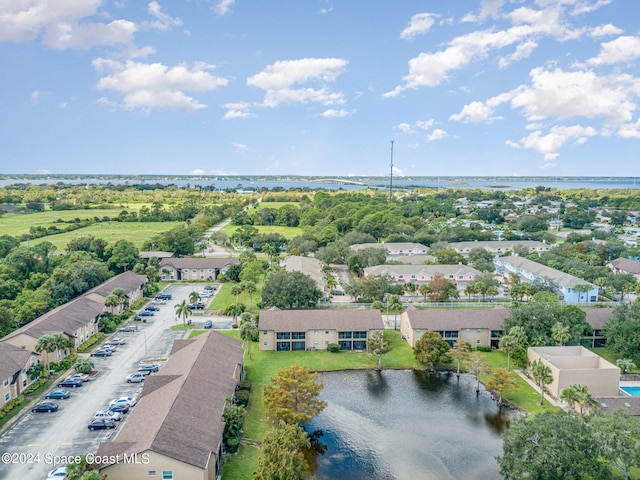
277,205
287,232
266,364
135,232
20,223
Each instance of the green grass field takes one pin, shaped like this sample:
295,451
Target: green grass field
111,232
277,205
224,298
287,232
265,365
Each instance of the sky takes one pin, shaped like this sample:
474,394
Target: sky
320,87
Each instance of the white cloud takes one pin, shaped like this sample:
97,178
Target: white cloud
197,171
163,21
420,23
405,128
577,94
604,30
36,95
223,7
549,144
425,124
237,110
154,85
587,6
63,106
622,49
630,130
278,79
240,148
332,113
59,24
475,112
437,134
523,51
397,171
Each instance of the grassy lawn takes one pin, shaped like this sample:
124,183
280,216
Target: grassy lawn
277,205
265,364
111,232
224,298
15,224
608,355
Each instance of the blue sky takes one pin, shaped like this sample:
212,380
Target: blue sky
320,87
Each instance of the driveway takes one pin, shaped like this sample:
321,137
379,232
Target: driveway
36,440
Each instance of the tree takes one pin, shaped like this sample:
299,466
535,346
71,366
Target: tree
45,343
194,297
501,382
431,350
550,445
233,417
459,352
282,456
111,302
511,342
481,259
183,309
378,346
618,436
541,375
248,330
583,398
235,290
83,365
123,255
623,330
441,289
395,305
478,366
582,288
292,396
625,364
122,297
570,395
83,470
250,287
423,290
560,334
289,290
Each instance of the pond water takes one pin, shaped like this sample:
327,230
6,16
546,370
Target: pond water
407,425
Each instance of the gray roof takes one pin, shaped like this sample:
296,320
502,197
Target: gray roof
598,317
359,319
128,281
180,411
404,246
198,262
12,360
609,404
158,255
626,265
495,244
542,271
309,266
457,318
415,259
445,270
66,318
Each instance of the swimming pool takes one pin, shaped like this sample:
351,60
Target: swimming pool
631,391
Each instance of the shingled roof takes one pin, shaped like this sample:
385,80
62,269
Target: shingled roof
180,411
128,281
626,265
198,262
12,359
360,319
456,318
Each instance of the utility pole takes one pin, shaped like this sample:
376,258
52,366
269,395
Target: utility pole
391,176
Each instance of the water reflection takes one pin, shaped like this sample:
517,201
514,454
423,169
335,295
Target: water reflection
407,425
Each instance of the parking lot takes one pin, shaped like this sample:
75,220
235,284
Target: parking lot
36,440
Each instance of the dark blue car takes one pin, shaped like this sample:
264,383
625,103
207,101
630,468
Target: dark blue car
146,313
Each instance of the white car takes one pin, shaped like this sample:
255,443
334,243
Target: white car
117,341
205,294
136,378
58,473
102,414
128,401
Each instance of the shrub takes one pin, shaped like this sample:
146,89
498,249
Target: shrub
244,385
334,347
482,348
242,398
233,444
90,342
11,404
35,386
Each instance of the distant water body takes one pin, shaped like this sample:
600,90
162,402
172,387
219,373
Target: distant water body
340,183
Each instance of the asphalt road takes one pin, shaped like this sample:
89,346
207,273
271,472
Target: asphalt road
37,442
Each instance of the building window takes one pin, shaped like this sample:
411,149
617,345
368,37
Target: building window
265,343
7,397
167,475
264,332
326,332
299,335
344,334
152,473
478,330
5,383
283,335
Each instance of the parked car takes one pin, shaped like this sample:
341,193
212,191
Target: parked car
58,473
102,353
58,394
129,328
108,347
197,306
205,294
70,383
115,416
210,288
152,308
146,313
101,424
208,324
163,296
128,401
83,377
136,378
45,407
118,408
151,367
117,341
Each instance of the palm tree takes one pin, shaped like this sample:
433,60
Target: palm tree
582,288
250,287
194,297
625,364
83,365
584,398
271,251
248,330
423,289
111,302
46,344
459,351
511,341
122,296
395,304
570,396
560,334
236,290
541,375
183,309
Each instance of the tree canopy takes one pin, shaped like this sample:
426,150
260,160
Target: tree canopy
289,290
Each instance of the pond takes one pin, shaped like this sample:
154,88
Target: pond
407,425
